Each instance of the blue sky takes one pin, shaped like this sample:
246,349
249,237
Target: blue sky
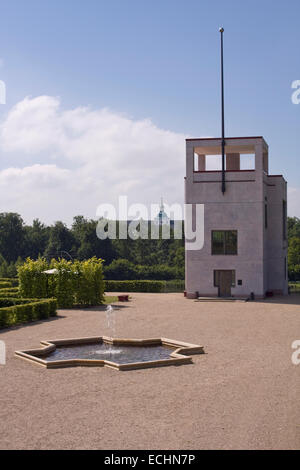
153,60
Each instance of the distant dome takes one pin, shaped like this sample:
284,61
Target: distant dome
162,218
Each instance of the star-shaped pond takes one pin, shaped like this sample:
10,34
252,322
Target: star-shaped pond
121,354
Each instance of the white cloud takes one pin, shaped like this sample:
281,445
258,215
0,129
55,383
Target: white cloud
98,155
87,157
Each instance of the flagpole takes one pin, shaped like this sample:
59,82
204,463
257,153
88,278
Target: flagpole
223,124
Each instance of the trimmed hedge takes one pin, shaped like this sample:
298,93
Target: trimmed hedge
5,284
10,301
73,283
122,269
9,295
13,281
135,286
15,312
33,281
144,286
89,282
10,292
177,285
7,290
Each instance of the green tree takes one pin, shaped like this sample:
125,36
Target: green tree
36,239
293,227
61,242
4,269
294,259
12,236
121,269
88,244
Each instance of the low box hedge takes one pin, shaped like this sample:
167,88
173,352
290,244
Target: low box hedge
176,285
7,290
13,281
5,284
10,301
135,286
9,295
17,311
10,292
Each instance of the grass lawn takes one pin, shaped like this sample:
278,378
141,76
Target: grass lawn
110,299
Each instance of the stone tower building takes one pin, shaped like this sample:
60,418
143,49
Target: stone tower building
245,229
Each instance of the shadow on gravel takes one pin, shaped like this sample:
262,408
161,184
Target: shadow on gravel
33,323
292,299
102,308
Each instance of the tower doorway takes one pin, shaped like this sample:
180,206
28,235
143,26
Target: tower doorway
224,279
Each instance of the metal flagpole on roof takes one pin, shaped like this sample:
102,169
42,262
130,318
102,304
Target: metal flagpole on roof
223,124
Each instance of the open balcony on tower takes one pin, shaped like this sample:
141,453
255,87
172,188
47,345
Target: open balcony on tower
242,154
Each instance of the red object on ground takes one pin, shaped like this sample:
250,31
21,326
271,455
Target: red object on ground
123,298
184,293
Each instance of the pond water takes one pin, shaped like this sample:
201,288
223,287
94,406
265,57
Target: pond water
115,353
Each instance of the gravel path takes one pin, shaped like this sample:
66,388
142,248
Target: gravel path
242,394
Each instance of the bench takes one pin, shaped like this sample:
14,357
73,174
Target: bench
123,298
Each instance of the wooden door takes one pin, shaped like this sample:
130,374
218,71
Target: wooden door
225,283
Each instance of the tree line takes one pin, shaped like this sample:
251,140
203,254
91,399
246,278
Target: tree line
123,259
294,248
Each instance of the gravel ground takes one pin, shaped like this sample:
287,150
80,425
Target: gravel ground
242,394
